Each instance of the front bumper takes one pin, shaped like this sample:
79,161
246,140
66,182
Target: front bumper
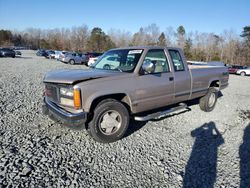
59,114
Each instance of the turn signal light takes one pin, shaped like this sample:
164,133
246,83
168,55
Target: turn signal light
77,98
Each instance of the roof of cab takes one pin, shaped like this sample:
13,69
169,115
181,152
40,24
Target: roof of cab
145,47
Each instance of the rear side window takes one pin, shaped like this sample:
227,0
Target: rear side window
177,60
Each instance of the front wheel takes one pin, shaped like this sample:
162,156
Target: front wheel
72,62
110,121
207,102
243,74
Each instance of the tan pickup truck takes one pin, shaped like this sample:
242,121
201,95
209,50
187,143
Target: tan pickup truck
125,82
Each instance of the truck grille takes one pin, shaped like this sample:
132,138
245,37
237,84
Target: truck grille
51,91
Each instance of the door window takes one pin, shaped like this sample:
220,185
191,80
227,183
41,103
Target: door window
158,58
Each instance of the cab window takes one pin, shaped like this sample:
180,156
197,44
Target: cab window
158,58
177,60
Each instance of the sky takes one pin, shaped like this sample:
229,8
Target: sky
127,15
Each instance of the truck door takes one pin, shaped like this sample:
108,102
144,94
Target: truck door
182,78
155,89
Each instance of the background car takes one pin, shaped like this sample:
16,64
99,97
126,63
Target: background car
41,52
243,72
49,54
92,60
7,52
234,68
18,53
92,57
75,58
62,55
92,54
58,53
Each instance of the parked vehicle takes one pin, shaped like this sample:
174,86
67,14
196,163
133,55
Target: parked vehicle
49,54
7,52
92,57
142,80
74,58
41,52
243,72
234,68
92,60
18,53
58,53
92,54
62,56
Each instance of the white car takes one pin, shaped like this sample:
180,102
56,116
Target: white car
59,55
243,72
92,60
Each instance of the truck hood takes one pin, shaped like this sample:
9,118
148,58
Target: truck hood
76,75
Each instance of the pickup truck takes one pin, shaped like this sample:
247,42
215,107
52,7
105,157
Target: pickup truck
128,83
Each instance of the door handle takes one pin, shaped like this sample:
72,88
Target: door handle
171,78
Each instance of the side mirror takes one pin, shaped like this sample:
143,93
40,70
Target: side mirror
148,66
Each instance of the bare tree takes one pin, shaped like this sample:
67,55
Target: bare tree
121,38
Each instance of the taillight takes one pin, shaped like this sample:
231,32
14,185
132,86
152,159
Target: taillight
77,98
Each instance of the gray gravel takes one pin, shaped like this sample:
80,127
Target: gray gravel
189,149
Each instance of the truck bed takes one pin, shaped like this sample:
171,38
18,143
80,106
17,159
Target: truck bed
202,66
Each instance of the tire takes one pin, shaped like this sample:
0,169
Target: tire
243,74
72,62
106,66
110,121
208,102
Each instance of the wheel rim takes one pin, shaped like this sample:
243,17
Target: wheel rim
211,100
242,74
110,122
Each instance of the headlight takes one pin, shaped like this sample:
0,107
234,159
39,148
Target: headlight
67,102
66,92
70,97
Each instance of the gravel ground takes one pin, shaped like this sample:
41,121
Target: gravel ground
188,149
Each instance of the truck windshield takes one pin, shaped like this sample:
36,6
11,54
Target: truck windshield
119,60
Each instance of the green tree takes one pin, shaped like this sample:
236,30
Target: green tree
246,32
99,41
245,48
162,40
187,48
5,37
44,44
181,30
181,36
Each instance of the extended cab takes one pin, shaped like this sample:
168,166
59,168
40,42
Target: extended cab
125,82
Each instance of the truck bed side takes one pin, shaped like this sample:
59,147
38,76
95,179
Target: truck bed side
204,76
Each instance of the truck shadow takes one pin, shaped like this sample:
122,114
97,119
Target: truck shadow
201,169
244,153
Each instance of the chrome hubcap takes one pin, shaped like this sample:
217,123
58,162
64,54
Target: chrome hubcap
211,100
110,122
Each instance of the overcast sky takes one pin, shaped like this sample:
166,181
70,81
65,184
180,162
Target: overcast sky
204,16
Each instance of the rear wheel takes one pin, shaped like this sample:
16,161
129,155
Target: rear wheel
72,62
110,121
207,102
243,74
106,66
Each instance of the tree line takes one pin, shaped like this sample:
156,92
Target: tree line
228,47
